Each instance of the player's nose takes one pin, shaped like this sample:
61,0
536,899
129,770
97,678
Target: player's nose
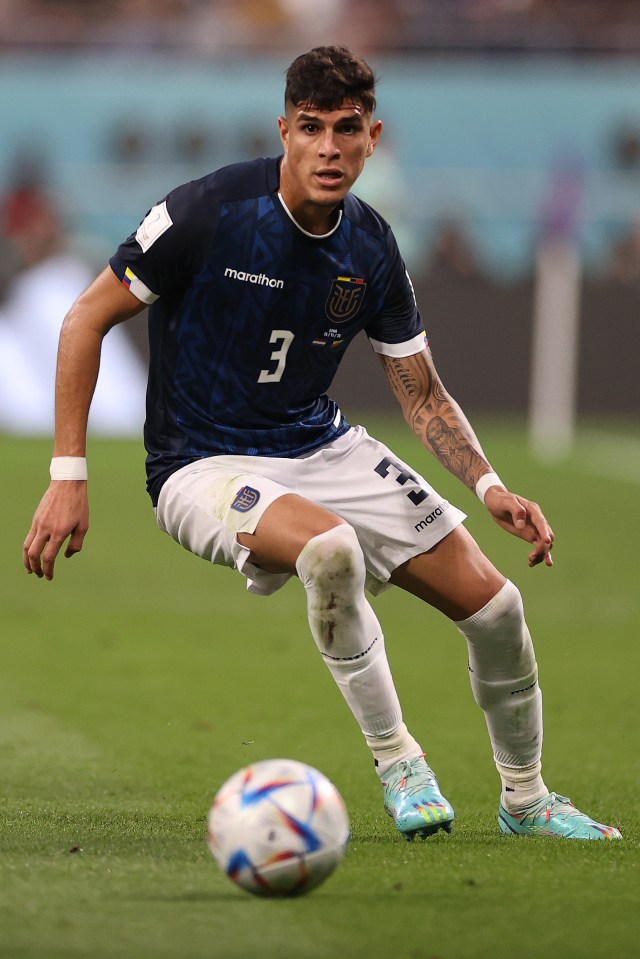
329,146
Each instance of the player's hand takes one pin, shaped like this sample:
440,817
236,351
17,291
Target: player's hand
63,512
524,519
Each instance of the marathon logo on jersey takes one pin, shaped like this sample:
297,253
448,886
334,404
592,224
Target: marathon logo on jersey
259,278
245,499
432,516
345,298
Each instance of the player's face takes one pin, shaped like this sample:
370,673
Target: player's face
324,153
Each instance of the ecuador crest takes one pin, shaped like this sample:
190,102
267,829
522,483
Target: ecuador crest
245,499
345,298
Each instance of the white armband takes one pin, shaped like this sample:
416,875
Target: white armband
487,480
68,468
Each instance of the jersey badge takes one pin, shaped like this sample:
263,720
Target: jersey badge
156,222
245,499
345,298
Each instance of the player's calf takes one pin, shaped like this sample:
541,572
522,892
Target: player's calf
346,630
504,679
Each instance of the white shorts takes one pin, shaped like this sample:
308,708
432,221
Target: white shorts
395,513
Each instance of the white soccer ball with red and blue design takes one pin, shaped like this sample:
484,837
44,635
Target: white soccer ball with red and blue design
278,828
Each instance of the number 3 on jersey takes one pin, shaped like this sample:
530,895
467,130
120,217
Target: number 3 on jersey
284,338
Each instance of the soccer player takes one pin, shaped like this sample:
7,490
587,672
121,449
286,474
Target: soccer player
258,276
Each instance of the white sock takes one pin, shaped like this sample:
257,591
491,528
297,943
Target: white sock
347,632
388,750
504,679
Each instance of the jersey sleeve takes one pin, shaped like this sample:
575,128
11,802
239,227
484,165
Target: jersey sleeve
397,330
170,245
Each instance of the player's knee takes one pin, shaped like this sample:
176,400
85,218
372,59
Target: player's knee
499,641
503,614
511,627
333,561
509,609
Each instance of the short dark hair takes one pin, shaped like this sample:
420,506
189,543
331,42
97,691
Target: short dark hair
327,76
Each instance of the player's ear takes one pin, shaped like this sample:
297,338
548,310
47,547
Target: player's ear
283,130
374,135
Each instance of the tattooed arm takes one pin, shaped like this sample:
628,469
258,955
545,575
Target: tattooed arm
443,429
435,417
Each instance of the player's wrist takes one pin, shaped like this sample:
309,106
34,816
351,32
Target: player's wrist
486,481
68,468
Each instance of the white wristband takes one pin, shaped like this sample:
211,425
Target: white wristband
485,481
68,468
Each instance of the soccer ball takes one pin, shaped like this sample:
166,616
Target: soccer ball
278,828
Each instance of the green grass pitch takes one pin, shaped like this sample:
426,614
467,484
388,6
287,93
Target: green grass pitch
141,678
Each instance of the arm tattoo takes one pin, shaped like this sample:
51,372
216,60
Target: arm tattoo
401,378
435,417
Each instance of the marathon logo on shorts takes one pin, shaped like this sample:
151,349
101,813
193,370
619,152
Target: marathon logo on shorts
432,517
245,499
345,298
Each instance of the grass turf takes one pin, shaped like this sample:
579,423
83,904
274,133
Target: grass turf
138,680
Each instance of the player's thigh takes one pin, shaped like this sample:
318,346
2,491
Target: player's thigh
284,530
215,505
395,512
454,576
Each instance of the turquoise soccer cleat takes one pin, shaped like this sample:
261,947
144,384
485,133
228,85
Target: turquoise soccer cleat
413,799
554,815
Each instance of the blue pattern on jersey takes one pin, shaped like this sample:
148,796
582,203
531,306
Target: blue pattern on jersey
254,316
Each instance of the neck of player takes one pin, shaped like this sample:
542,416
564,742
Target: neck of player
313,217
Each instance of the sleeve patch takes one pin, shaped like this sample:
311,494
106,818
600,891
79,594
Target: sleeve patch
409,348
156,222
138,288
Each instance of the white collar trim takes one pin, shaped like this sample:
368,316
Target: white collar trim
314,236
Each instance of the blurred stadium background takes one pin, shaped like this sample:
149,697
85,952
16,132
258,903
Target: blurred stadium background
510,124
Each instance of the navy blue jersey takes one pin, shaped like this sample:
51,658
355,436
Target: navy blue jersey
250,316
